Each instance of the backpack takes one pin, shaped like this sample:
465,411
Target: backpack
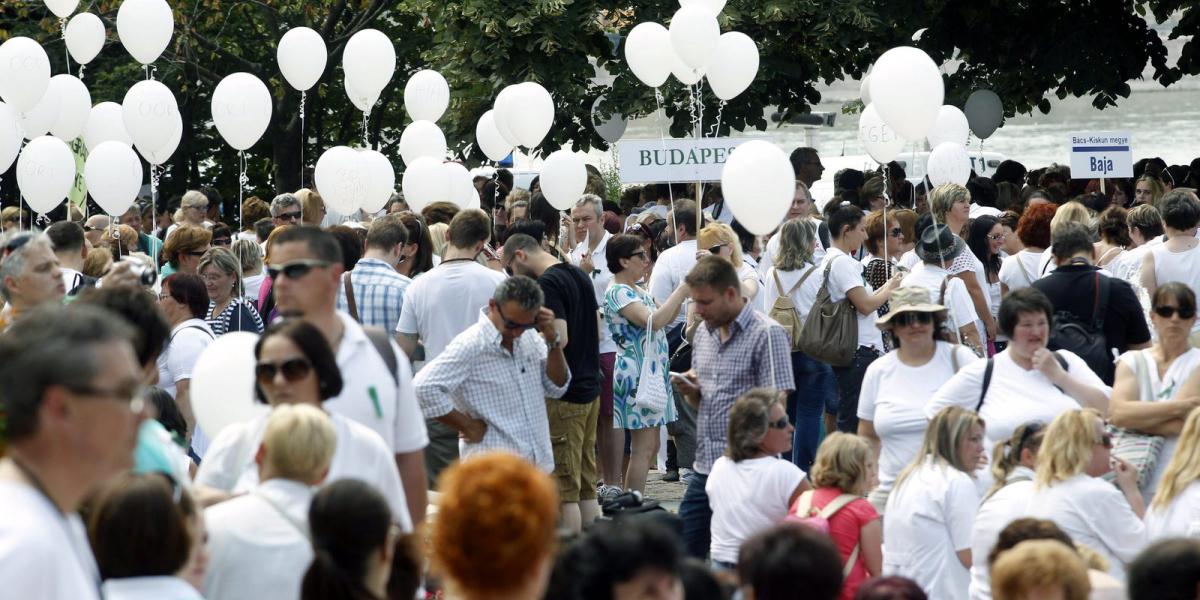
805,514
1086,339
783,311
830,333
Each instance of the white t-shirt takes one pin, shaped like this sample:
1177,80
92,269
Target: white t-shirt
600,277
188,340
1008,504
893,398
161,587
1181,517
1165,389
1128,266
1020,270
370,394
360,454
1094,513
957,301
929,519
909,259
747,497
43,554
802,297
1182,266
845,275
672,267
255,544
443,302
251,286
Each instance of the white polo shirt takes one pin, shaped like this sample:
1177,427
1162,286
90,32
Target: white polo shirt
672,267
370,395
444,302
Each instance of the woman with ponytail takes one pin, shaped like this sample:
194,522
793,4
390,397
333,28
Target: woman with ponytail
353,540
1007,500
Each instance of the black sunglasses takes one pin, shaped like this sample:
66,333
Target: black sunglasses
1106,440
196,252
782,423
293,370
1167,312
222,241
905,319
896,232
716,249
295,269
513,325
291,216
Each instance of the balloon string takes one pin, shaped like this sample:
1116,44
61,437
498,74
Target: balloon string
62,26
662,139
716,130
366,134
303,98
154,181
81,72
243,181
886,201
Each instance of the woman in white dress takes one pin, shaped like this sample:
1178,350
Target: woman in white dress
1069,490
1175,510
1155,389
930,511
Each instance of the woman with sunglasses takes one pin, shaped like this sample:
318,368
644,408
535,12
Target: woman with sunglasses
751,488
1167,371
719,239
895,388
1007,501
193,212
295,365
183,249
1069,489
885,245
628,309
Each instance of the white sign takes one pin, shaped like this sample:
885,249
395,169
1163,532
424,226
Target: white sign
651,161
1101,154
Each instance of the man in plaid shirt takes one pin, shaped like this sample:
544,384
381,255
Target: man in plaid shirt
735,349
378,289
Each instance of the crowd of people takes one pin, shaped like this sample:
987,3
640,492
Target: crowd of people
980,391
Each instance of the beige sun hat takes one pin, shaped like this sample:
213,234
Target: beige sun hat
908,299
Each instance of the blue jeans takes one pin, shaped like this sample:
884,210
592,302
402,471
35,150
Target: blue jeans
696,515
816,393
849,381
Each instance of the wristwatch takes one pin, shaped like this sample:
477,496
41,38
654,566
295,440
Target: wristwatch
556,343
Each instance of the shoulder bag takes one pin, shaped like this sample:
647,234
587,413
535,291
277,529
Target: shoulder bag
1141,450
830,332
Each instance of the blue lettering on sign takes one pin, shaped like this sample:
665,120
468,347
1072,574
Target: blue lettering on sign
1100,165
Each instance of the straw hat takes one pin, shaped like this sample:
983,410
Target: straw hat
908,299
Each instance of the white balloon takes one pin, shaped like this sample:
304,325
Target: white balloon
530,114
648,53
11,136
163,153
302,57
949,163
222,389
113,174
106,122
694,35
369,61
950,126
37,122
148,112
422,138
74,107
62,8
685,74
713,6
45,173
734,66
85,37
759,183
488,138
907,89
145,28
24,73
341,179
502,108
563,179
426,96
864,90
241,107
456,176
383,181
424,183
880,141
361,100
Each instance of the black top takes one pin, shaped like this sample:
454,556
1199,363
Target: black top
1072,288
570,295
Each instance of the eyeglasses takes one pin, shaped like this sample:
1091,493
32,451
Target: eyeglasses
295,269
291,216
909,318
293,370
896,232
133,397
1167,312
513,325
997,237
222,241
196,252
641,253
199,206
1105,440
782,423
716,249
162,297
214,277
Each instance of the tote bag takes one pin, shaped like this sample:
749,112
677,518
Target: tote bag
652,391
830,332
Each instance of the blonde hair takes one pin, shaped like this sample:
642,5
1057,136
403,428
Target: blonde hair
842,463
1184,467
943,437
312,206
1067,447
1071,212
725,234
437,233
943,197
1039,564
98,262
298,442
1007,453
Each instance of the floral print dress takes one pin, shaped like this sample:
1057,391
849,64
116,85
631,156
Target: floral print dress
630,340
